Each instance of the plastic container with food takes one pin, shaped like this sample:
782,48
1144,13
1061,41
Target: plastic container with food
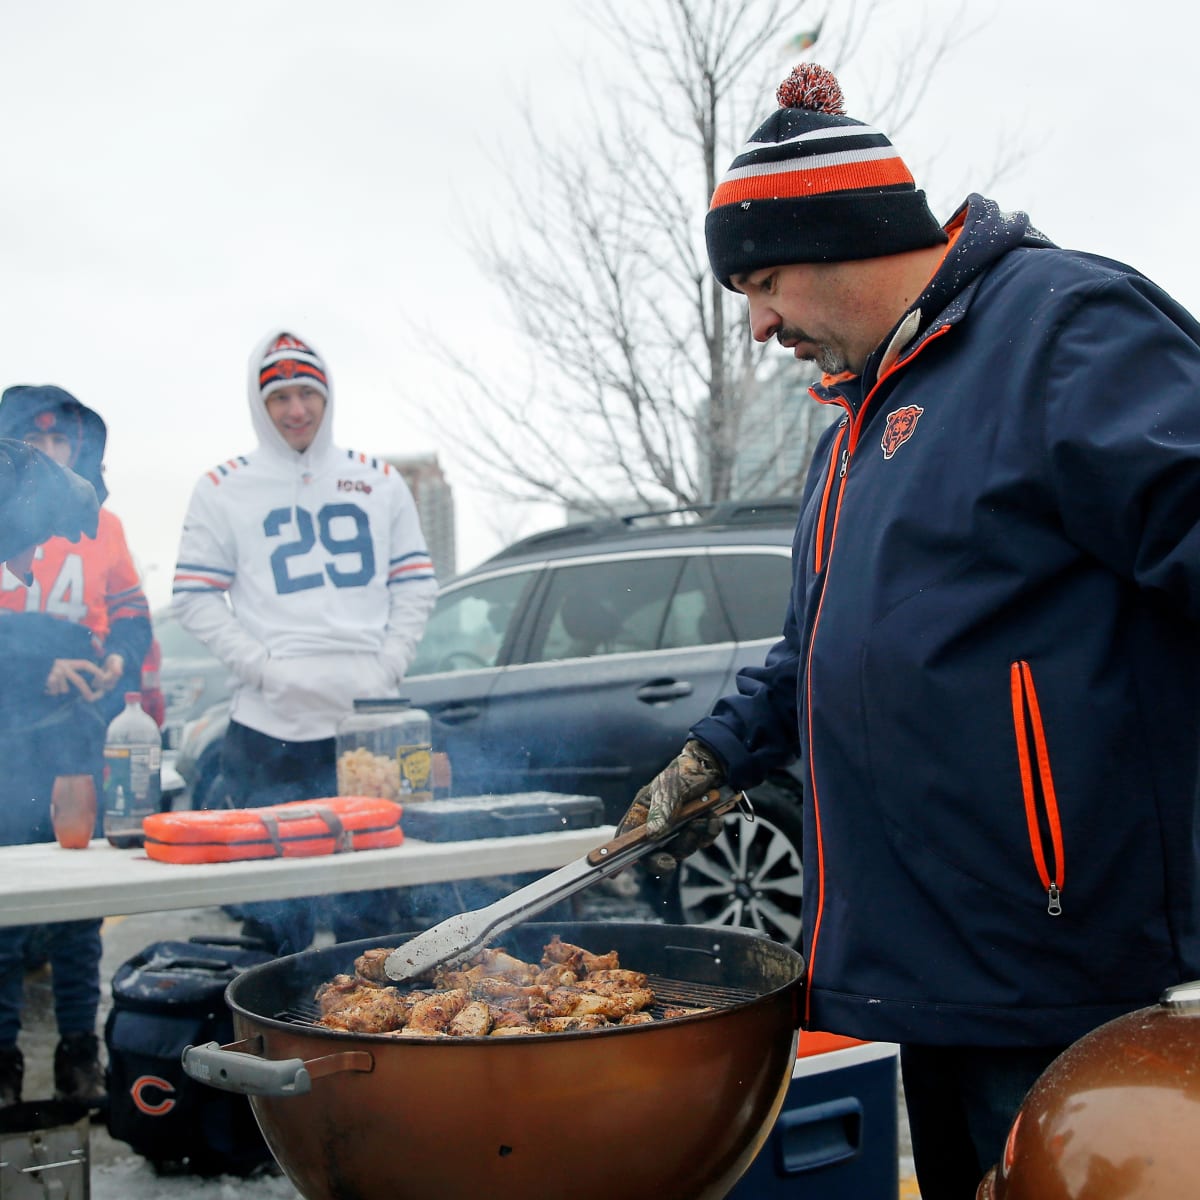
385,749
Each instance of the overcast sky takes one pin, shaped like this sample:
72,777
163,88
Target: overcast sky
180,177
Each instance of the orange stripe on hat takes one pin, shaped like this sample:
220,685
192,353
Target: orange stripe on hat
814,181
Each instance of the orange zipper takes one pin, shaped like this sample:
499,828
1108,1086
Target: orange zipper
1027,721
819,550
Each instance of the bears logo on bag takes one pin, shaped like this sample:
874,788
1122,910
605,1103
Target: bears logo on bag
899,428
154,1083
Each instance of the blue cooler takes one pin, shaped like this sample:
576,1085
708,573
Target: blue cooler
836,1136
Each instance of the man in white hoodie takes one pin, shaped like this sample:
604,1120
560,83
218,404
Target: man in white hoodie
303,568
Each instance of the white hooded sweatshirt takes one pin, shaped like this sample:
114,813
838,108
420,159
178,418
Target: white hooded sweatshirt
306,573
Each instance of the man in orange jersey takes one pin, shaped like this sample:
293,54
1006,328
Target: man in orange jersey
71,640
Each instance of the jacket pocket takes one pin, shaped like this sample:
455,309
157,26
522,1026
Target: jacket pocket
1037,785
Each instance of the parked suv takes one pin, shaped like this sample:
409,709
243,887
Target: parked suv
575,661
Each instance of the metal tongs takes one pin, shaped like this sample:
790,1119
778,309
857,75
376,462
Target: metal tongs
459,936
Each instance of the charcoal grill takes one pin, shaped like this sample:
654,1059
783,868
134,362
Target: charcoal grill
674,1109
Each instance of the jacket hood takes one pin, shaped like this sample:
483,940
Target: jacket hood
985,234
22,405
269,438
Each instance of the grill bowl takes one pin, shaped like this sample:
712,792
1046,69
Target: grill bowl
676,1109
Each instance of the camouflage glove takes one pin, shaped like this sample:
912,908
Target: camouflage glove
687,777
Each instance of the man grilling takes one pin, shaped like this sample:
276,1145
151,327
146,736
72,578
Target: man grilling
990,660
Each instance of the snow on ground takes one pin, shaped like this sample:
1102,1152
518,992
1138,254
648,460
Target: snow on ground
133,1178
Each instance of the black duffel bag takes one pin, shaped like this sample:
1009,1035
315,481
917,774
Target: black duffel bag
168,997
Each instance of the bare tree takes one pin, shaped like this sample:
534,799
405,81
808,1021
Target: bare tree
642,380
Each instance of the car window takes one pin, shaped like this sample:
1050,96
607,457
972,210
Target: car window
468,625
754,589
694,616
604,608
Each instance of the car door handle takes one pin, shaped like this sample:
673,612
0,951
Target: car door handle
456,714
660,690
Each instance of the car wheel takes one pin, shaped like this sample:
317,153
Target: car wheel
753,874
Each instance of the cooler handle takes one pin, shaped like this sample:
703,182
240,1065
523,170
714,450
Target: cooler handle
818,1135
237,1067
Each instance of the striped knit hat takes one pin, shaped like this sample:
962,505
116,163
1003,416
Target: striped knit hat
813,185
288,361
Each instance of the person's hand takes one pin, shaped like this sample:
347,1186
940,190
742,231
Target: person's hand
77,673
687,777
110,674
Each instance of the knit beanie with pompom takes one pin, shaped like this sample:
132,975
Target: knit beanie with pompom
813,185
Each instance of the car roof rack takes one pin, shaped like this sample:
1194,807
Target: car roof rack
773,510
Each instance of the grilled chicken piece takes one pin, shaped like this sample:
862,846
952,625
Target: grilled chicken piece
572,1023
448,979
677,1010
507,1018
435,1012
556,975
340,991
576,958
474,1021
502,964
369,965
601,987
514,1030
636,1018
376,1010
564,1002
512,995
618,976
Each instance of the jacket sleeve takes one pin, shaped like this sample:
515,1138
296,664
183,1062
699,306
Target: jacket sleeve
129,632
203,574
755,730
1122,435
412,587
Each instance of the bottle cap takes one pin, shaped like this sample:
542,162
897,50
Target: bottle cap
133,697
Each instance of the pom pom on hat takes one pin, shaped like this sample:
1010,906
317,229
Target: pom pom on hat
813,185
813,87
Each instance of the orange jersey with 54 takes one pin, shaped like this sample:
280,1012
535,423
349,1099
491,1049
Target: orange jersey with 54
92,582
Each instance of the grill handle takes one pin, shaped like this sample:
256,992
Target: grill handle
239,1067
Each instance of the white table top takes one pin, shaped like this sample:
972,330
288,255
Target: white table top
43,882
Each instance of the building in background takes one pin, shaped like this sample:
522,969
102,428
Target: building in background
435,507
778,432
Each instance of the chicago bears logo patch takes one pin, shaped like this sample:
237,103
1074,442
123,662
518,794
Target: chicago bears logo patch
899,428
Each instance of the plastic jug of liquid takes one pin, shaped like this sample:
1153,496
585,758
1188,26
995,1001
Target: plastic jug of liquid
132,773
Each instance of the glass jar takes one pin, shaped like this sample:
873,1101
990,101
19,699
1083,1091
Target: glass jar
385,748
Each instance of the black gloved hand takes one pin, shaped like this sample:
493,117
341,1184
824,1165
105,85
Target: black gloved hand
687,777
39,500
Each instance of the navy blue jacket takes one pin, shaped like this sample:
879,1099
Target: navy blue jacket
991,661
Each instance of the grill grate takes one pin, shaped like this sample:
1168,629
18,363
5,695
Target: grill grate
668,993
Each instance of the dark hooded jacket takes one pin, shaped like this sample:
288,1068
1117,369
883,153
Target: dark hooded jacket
30,641
990,665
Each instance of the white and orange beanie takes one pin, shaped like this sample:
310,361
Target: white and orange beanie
813,185
286,361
